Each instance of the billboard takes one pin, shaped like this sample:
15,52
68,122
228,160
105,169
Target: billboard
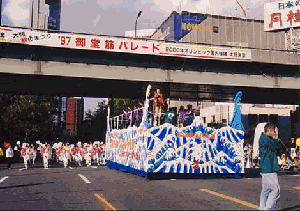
122,45
179,25
185,23
281,15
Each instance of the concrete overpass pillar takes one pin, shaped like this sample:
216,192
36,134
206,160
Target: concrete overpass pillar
38,67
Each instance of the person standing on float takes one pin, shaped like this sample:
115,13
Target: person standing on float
158,104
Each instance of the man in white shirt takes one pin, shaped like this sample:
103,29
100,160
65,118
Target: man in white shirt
9,156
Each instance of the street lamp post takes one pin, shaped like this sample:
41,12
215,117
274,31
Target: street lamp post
140,12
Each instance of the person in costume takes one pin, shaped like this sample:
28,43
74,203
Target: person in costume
102,153
157,106
89,155
25,154
64,155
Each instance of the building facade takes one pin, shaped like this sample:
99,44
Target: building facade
220,30
142,33
252,114
45,14
74,114
0,12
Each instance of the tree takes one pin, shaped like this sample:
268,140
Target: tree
94,125
119,105
30,116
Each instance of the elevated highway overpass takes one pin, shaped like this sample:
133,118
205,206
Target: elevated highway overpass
264,77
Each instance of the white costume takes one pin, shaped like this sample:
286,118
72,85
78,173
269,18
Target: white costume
65,155
25,154
89,155
46,152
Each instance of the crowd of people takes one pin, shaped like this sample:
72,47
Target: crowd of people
289,159
64,153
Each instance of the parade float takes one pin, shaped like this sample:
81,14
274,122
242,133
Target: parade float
170,150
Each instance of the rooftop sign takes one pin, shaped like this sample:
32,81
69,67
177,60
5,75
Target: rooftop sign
281,15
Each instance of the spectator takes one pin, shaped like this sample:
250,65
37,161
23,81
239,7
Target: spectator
268,145
288,164
298,154
279,161
293,153
283,159
9,156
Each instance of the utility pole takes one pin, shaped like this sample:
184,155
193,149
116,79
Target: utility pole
140,12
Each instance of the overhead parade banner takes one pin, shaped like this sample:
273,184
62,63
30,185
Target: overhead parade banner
121,45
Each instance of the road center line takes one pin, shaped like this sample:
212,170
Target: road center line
105,203
297,188
232,199
84,178
4,178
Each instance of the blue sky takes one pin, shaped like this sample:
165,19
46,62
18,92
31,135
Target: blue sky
114,17
117,16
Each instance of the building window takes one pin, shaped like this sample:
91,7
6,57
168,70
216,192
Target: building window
215,29
204,119
263,118
274,119
252,119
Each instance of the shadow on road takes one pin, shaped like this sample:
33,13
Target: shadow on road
297,207
248,173
31,184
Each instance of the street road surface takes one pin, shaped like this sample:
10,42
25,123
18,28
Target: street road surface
100,188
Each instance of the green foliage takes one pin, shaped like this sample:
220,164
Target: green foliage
29,116
119,105
94,125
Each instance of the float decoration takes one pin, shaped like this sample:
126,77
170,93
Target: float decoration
194,149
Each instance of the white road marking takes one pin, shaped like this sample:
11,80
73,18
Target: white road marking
84,178
22,169
70,167
94,167
4,178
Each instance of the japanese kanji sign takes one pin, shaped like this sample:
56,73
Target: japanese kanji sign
124,45
282,15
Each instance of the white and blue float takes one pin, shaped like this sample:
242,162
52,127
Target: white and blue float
168,150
